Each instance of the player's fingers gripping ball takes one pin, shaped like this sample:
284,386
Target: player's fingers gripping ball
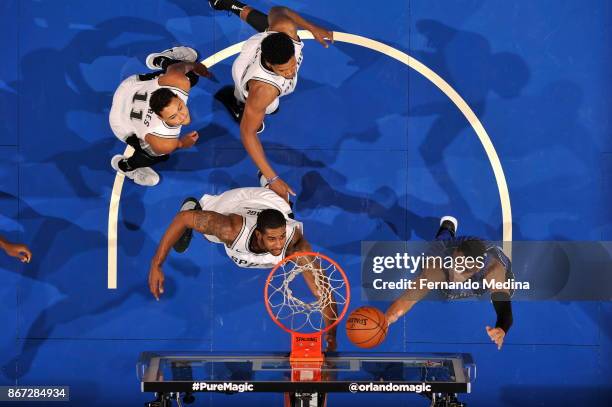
366,327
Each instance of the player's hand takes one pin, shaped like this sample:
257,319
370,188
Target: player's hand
396,311
321,34
202,70
19,251
282,189
189,139
497,335
330,338
156,281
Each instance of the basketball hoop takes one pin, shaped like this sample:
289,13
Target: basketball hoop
302,295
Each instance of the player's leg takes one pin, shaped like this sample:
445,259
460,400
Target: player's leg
144,176
448,228
162,60
227,96
141,158
235,108
253,17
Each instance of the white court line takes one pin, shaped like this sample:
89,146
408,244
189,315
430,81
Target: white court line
113,214
400,56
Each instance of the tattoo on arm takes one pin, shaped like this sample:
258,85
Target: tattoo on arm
213,223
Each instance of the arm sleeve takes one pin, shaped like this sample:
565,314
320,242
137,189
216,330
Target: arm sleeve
503,309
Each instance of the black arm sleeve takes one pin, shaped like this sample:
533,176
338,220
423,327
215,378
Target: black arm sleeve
503,309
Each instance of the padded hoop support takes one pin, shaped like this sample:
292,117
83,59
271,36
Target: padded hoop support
306,356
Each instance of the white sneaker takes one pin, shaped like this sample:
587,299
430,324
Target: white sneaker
452,220
186,54
115,164
145,176
141,176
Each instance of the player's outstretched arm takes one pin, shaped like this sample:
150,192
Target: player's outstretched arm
283,19
260,96
410,297
501,304
207,222
19,251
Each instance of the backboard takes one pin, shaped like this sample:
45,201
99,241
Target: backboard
431,375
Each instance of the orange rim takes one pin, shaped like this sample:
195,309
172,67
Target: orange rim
298,254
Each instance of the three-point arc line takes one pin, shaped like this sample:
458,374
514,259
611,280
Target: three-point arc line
481,133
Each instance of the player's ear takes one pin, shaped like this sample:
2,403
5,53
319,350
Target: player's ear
258,234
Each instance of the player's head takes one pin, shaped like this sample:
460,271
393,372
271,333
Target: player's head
169,107
468,248
271,231
278,53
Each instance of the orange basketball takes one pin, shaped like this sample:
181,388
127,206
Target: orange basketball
366,327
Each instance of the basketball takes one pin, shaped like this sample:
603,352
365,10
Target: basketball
366,327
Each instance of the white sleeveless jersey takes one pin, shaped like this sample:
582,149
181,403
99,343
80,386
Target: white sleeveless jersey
249,66
131,107
248,202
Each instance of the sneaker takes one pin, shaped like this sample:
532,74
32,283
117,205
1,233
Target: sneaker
223,5
146,177
141,176
183,243
115,164
449,223
186,54
225,95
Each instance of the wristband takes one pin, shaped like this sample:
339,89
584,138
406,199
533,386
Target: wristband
271,180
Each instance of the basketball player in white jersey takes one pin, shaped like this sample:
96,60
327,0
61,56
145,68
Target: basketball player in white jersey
148,112
255,226
266,69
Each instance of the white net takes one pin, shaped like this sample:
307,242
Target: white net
307,293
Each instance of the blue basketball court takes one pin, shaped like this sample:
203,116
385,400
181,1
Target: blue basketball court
495,112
